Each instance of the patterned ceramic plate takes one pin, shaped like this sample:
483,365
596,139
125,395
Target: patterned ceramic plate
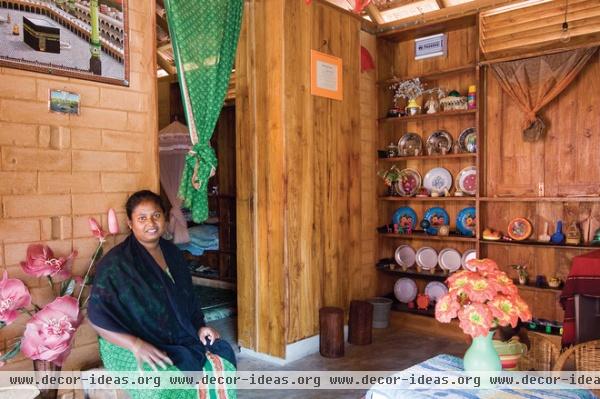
467,141
467,256
405,216
466,180
410,182
449,259
438,180
427,258
466,221
440,141
437,217
410,145
436,290
405,290
519,229
405,256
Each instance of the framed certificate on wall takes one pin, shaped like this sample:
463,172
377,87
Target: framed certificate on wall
325,75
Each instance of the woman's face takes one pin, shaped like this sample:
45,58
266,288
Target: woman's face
147,222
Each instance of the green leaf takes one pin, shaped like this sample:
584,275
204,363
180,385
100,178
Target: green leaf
67,287
14,351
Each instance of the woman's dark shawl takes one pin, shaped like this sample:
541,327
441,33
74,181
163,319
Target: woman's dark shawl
131,294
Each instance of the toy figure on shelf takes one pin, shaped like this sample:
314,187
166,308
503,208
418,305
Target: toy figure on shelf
544,237
573,235
432,105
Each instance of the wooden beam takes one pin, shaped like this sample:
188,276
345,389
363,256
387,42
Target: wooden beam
165,64
161,19
375,15
432,17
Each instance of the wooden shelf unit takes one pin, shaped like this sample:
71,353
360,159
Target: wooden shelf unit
420,235
428,199
421,117
556,178
429,157
457,71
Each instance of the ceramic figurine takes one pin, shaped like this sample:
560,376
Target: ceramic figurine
444,230
422,301
558,237
573,235
432,105
554,282
544,237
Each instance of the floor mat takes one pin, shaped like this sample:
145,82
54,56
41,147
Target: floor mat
216,303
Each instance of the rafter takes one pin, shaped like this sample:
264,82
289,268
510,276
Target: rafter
374,13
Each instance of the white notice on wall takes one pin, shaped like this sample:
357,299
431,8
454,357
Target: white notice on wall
327,75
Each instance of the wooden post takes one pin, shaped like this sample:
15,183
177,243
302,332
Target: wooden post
331,326
360,323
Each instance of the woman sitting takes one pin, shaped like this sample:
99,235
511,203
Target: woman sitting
143,307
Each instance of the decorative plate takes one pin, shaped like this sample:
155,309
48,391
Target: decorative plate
438,180
405,217
405,290
405,256
410,182
466,221
519,229
467,141
467,256
436,290
410,145
466,180
426,258
449,259
437,217
440,142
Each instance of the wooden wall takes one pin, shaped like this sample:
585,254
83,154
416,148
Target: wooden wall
564,163
298,173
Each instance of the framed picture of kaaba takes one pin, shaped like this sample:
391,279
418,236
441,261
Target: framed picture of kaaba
86,39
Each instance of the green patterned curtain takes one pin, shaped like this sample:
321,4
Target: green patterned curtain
204,34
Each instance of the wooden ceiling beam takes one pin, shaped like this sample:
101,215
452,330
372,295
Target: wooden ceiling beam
375,15
448,13
165,64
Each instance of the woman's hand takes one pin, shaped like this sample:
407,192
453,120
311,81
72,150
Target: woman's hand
148,353
208,334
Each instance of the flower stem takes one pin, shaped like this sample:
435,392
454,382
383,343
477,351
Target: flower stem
83,283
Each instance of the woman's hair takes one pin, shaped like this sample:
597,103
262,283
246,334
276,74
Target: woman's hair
140,196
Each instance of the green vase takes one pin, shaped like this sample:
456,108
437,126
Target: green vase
481,355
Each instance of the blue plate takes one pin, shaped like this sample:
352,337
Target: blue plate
466,221
405,215
437,217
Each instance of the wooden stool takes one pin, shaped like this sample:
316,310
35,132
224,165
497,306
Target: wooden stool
331,328
360,323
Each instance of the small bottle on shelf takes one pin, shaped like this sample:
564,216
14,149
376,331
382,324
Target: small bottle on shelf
472,97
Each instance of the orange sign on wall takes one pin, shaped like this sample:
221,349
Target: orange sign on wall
325,75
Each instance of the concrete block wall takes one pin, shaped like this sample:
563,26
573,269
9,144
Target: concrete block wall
57,170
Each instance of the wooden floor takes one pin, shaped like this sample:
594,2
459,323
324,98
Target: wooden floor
395,348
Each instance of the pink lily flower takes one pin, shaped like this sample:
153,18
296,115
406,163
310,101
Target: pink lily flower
113,222
42,262
13,296
49,334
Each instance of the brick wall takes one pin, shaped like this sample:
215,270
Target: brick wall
57,170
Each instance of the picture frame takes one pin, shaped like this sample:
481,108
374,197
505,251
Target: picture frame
326,78
64,102
58,37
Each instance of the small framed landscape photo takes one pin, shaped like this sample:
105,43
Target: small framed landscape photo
64,102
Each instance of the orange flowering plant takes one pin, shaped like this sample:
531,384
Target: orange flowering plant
482,298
